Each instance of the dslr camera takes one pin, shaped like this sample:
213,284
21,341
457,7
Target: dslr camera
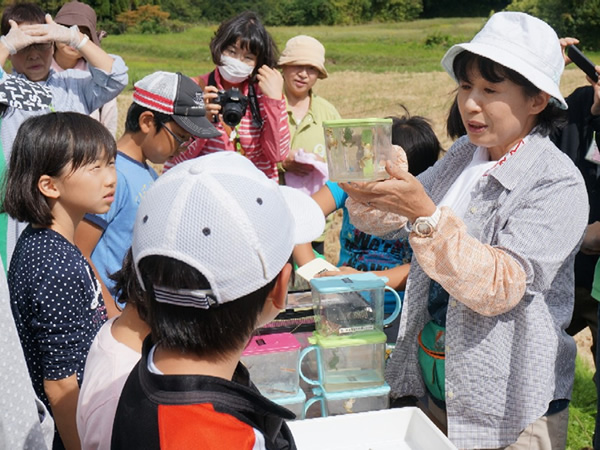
233,105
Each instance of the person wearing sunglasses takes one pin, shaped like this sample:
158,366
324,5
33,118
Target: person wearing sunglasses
167,111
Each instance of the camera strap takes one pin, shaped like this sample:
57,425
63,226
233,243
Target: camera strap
257,120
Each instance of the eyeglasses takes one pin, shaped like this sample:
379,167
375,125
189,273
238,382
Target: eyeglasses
181,143
38,47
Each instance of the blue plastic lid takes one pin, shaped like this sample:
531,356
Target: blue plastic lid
377,391
298,397
347,283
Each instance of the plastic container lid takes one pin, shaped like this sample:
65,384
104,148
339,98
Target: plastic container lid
332,341
356,123
298,397
377,391
348,283
271,343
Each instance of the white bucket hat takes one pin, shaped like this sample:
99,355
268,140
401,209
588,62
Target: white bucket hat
521,42
222,216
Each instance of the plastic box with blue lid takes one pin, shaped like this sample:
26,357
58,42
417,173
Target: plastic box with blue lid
272,360
347,304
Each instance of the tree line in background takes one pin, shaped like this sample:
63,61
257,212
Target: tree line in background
579,18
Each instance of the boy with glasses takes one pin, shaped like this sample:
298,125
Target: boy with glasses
167,110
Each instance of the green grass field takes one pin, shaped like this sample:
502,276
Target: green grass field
412,48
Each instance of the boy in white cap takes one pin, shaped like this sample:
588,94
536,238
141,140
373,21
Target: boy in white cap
167,109
211,247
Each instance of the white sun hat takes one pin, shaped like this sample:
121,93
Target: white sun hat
521,42
222,216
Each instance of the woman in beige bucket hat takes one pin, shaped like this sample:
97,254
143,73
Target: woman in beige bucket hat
303,63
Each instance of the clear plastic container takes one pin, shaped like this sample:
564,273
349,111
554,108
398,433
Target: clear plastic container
357,149
272,360
350,304
347,362
295,403
349,402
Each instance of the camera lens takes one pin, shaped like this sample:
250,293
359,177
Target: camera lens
232,114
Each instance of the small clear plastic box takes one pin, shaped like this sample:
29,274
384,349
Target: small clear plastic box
357,149
295,403
349,402
347,362
348,304
272,360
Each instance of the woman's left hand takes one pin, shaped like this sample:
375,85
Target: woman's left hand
270,82
402,194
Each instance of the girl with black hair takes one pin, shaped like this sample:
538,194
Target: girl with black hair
62,166
245,56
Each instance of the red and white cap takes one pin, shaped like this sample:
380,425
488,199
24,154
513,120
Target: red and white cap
178,96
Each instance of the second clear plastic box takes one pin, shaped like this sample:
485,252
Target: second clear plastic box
272,360
347,362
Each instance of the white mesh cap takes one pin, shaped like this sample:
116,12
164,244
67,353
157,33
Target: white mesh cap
224,217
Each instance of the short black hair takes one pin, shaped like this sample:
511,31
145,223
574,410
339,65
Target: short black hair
415,135
455,127
252,35
128,288
551,118
132,121
208,333
21,13
47,145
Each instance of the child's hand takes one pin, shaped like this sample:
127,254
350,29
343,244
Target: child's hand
270,82
16,39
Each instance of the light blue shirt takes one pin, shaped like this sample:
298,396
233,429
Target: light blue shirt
133,180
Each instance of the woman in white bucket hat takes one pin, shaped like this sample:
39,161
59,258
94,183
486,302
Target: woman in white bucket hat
494,226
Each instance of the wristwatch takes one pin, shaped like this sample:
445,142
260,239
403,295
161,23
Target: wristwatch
425,226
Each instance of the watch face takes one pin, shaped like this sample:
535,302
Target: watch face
423,229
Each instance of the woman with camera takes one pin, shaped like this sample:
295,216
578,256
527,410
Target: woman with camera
244,96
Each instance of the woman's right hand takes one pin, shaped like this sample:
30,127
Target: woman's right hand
212,109
401,194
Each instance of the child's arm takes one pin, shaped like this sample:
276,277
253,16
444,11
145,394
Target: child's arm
303,253
62,395
87,236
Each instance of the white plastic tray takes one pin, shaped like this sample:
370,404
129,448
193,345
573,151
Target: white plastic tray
397,429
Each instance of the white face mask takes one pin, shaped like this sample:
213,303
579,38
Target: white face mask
233,70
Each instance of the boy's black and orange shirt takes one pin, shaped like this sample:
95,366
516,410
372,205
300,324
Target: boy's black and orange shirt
193,411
